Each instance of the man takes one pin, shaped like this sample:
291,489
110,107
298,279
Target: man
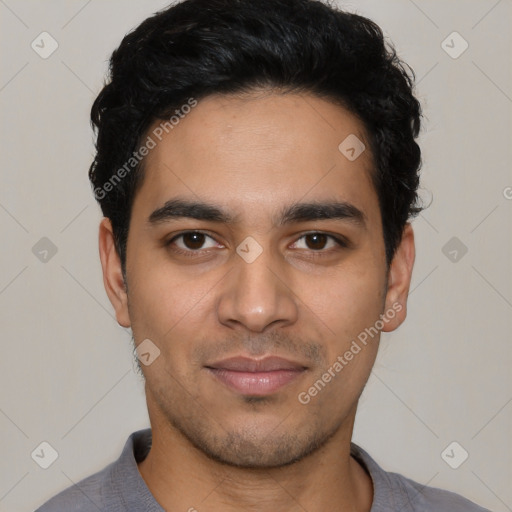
257,167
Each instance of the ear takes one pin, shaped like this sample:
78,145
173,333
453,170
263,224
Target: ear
112,273
399,280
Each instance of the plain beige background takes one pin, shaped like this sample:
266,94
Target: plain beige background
66,367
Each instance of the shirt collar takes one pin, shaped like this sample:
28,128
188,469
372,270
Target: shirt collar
133,493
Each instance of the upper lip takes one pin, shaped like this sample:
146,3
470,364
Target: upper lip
247,364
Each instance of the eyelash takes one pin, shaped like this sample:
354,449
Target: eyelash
191,253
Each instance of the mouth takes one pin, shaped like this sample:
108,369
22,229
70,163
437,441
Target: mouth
256,377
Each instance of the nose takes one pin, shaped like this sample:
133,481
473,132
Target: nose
257,295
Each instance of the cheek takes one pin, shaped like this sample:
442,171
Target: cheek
345,317
162,298
346,301
173,309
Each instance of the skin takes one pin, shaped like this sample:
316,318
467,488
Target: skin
305,299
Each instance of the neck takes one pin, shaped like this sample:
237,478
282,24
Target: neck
181,477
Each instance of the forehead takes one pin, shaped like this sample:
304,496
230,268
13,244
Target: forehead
255,153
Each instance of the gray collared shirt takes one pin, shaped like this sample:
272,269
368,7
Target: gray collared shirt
120,488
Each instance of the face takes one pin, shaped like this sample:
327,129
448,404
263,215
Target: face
256,266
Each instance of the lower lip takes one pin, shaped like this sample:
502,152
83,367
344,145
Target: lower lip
256,383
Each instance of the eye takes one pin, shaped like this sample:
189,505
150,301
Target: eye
190,241
318,242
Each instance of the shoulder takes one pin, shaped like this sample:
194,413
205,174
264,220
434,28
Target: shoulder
84,496
117,487
393,491
429,499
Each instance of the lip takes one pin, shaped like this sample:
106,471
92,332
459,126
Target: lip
256,377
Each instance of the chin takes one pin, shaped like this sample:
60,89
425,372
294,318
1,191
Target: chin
256,448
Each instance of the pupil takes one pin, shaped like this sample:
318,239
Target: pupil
193,240
319,238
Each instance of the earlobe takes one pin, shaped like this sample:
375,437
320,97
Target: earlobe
112,273
399,280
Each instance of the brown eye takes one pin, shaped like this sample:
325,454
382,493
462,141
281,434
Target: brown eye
316,241
319,242
193,240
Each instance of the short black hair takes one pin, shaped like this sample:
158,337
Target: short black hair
196,48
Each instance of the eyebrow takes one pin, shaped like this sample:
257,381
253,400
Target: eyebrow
296,212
